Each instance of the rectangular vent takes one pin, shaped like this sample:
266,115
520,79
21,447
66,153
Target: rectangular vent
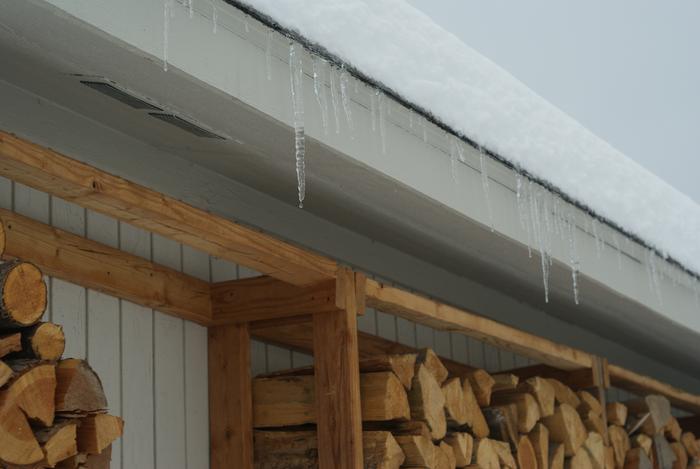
185,125
120,95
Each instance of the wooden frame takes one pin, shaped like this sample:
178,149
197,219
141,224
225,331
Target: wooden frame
304,301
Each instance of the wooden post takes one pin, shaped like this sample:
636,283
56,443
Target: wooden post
230,397
601,379
337,374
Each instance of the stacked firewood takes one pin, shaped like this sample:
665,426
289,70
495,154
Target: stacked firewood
417,414
52,410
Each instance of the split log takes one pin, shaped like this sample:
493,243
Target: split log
22,294
44,341
299,450
526,405
565,426
433,364
593,422
445,457
505,457
32,389
456,410
663,454
636,458
691,445
620,443
482,385
672,430
589,403
539,437
403,366
563,393
505,382
640,440
476,420
543,390
580,460
17,442
5,373
416,443
96,432
10,343
58,442
527,458
557,456
485,455
463,445
617,413
99,461
681,455
73,462
609,457
659,409
427,402
503,422
595,446
78,388
290,400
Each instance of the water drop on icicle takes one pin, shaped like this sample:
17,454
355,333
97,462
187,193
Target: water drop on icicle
345,99
485,185
268,55
296,82
214,18
166,32
320,91
334,98
381,104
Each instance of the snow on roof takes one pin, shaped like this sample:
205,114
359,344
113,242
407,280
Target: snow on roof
398,46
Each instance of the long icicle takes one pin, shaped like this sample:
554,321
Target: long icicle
296,81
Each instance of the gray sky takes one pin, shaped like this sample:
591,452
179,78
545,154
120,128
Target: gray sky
629,70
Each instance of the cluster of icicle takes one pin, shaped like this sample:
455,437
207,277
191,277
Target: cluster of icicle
544,216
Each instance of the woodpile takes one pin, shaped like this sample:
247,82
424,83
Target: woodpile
52,410
417,414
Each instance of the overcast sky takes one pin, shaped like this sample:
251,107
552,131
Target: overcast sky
629,70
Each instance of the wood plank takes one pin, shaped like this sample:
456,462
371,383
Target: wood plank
440,316
49,171
106,269
230,397
582,378
262,298
642,385
337,379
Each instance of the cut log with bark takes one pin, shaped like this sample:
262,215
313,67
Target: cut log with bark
502,422
595,447
17,442
427,403
299,450
505,457
580,460
485,455
44,341
22,294
617,413
463,445
593,422
505,382
539,437
482,385
527,408
402,365
32,389
565,426
445,457
679,451
10,343
58,442
589,403
620,443
433,364
557,456
96,432
543,390
658,408
691,444
99,461
477,422
563,394
636,458
525,454
78,388
456,410
415,441
663,454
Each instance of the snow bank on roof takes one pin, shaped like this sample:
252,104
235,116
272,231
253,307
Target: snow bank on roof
399,46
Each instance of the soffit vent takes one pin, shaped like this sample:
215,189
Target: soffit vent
120,95
185,125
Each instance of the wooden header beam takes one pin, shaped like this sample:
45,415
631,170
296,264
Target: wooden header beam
640,384
440,316
49,171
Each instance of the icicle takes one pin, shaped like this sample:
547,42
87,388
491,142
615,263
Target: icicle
452,143
653,275
345,99
599,242
190,6
296,82
320,91
410,119
373,109
334,98
460,151
214,17
425,130
268,55
382,119
246,26
166,32
573,253
520,198
539,235
485,185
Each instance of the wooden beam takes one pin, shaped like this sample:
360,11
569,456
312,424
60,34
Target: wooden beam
440,316
337,379
230,397
106,269
266,298
642,385
49,171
